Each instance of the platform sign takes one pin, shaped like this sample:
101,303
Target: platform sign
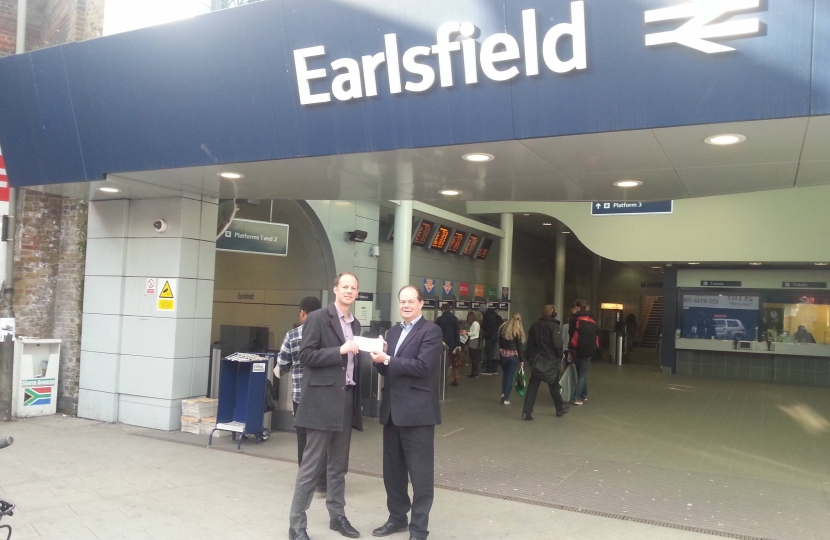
631,208
257,237
167,295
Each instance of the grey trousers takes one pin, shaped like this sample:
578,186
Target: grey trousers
320,444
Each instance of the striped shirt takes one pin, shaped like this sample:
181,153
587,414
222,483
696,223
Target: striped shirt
289,359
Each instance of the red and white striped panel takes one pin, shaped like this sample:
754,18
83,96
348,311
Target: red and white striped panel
4,180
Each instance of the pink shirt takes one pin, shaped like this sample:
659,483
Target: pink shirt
346,326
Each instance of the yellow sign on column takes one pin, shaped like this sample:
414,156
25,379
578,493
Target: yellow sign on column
167,296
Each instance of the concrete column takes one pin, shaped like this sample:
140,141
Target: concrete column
506,252
559,271
139,362
595,283
401,253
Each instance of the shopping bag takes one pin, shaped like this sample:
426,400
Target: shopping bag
521,382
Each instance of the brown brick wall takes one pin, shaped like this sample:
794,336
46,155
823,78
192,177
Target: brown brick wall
49,272
8,27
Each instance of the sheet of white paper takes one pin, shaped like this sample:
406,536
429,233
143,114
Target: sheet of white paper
369,344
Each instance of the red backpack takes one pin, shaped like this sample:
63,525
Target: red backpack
585,339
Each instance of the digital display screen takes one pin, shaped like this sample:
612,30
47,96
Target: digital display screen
456,241
441,238
472,242
485,249
422,235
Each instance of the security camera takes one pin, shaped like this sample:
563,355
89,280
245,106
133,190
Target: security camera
160,225
374,251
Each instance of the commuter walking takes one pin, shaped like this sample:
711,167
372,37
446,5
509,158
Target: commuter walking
544,351
329,407
583,344
490,324
511,338
409,411
288,359
448,323
632,332
473,342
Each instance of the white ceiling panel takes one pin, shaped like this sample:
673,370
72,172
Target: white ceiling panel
813,173
767,141
705,181
512,160
817,140
601,152
393,167
657,185
543,188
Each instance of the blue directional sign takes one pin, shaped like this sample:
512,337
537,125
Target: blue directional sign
618,208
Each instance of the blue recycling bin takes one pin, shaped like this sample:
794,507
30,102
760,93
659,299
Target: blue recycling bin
242,385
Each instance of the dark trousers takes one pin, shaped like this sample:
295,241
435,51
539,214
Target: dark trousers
533,391
302,437
475,360
492,357
409,452
582,365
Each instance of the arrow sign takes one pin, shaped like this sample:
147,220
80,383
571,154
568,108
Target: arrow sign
429,285
627,208
447,287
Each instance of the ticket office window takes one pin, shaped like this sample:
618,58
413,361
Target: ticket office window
802,317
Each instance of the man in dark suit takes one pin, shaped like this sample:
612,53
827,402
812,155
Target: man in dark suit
329,407
409,411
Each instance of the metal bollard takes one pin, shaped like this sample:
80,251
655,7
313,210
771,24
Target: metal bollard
620,345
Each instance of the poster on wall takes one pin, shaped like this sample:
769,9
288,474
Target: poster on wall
720,317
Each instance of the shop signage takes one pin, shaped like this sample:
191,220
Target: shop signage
720,302
257,237
496,56
720,283
611,208
804,284
463,289
479,290
429,285
651,284
430,303
477,305
462,305
491,293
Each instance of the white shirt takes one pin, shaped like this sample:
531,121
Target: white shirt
472,333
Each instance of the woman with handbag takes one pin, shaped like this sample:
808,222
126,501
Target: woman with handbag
544,352
511,337
470,337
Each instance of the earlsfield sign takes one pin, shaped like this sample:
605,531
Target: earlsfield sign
499,58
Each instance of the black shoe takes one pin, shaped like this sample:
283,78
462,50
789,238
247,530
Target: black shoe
297,534
564,411
389,528
527,417
342,525
454,383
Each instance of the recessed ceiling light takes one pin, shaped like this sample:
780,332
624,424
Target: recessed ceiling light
547,224
725,139
525,214
478,157
449,192
755,264
231,175
109,189
657,267
694,263
566,232
628,183
820,264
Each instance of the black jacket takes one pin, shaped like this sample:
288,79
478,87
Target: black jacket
490,325
590,346
448,323
544,348
324,373
514,344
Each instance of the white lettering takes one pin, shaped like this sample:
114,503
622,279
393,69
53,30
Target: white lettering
576,29
443,48
468,47
427,73
304,75
393,63
531,42
489,57
370,64
351,78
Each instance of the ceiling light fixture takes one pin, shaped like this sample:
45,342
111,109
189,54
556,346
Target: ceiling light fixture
478,157
628,183
754,264
549,224
820,264
449,192
657,267
725,139
694,263
231,175
525,214
109,189
566,232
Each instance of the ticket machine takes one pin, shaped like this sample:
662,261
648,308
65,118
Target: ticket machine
462,308
430,309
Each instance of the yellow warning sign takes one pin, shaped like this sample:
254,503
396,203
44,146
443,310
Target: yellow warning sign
166,301
166,291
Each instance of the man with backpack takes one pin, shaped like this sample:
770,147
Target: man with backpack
544,352
583,344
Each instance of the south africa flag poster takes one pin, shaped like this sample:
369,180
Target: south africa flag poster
38,395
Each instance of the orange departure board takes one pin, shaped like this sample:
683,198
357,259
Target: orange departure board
470,248
485,249
422,235
441,238
455,241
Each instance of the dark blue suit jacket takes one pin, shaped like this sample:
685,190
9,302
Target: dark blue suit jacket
410,390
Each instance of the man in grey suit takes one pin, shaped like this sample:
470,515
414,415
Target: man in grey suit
409,411
329,407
